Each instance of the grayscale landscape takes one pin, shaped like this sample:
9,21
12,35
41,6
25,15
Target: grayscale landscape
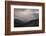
26,17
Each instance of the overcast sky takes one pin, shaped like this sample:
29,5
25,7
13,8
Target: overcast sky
26,14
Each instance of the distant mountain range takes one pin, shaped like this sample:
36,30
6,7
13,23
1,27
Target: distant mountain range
32,23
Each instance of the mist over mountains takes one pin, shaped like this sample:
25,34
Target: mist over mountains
26,17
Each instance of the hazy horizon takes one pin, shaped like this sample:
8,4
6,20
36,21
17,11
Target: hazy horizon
26,15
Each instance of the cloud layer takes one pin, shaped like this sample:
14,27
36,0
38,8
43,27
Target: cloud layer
26,14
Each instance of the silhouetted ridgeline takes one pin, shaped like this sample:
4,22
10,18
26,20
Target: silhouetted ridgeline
32,23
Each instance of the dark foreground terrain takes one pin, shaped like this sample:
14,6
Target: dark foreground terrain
19,23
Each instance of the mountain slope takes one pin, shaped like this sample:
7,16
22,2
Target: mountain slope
19,23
